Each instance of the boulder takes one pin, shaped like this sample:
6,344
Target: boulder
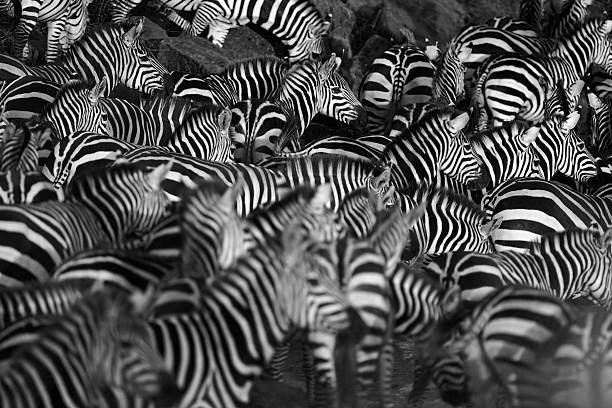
198,55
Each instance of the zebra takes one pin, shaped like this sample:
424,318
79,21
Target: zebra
20,180
599,82
120,269
66,20
308,88
264,185
448,82
510,86
567,264
531,208
403,74
508,152
508,335
579,377
212,234
251,78
112,341
601,138
300,26
572,14
39,299
97,209
110,51
513,25
435,143
560,101
303,298
357,212
530,11
451,222
7,8
486,42
560,150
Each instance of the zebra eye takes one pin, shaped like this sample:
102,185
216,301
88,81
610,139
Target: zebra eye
336,90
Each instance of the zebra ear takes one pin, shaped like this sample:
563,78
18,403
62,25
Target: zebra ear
228,199
605,28
142,301
225,119
605,241
487,228
570,121
382,179
451,301
158,174
594,101
576,88
408,35
456,124
132,35
329,67
530,135
412,216
98,285
97,91
322,197
465,53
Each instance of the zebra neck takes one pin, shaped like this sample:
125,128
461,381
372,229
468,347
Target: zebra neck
245,301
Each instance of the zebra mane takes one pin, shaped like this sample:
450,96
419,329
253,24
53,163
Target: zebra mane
590,25
436,194
158,101
205,107
305,191
72,86
116,171
206,188
546,242
438,110
263,60
505,127
115,30
330,160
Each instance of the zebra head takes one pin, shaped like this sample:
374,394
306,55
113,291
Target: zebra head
458,160
449,80
122,349
571,156
505,151
139,69
338,101
312,293
77,107
597,33
311,38
127,200
213,235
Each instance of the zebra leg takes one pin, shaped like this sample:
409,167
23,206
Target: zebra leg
218,31
29,16
275,368
56,32
321,377
385,373
175,18
203,17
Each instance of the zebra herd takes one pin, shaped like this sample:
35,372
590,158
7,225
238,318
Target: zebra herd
167,251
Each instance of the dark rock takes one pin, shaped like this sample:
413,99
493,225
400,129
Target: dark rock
198,55
374,46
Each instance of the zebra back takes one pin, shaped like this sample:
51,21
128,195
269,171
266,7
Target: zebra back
505,341
524,218
402,75
122,270
344,175
514,25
